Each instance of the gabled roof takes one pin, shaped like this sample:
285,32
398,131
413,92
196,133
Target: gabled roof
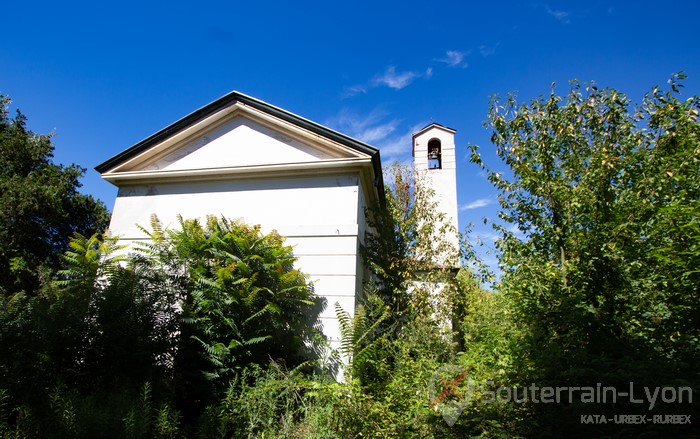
425,129
237,97
433,125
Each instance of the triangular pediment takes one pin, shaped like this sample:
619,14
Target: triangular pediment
238,138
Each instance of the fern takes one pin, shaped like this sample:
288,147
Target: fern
4,411
359,336
63,410
167,422
90,261
138,420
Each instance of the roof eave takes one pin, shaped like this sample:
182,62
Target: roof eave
436,125
230,99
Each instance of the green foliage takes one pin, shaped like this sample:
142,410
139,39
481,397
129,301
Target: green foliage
90,262
604,275
188,313
40,206
401,333
486,331
360,343
406,251
144,420
405,238
274,402
242,302
206,330
262,402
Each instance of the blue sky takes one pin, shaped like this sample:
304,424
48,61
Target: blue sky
103,76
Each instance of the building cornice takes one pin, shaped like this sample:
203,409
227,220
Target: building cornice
229,100
239,172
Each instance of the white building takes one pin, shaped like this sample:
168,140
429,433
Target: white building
245,159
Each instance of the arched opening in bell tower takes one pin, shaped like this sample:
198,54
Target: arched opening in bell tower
434,154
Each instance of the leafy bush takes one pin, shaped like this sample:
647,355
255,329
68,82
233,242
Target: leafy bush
189,313
241,302
603,278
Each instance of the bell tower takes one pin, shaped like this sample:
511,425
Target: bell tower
434,156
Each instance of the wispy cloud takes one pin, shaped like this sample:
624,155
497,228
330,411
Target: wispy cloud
369,127
454,58
355,90
391,78
397,80
377,129
476,204
560,15
485,50
398,147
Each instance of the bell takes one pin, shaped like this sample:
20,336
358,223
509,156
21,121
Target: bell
433,155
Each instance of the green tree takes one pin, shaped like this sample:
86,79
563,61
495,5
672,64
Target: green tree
405,239
242,302
605,274
40,206
133,345
401,333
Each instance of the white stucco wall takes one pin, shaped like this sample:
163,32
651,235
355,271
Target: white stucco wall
237,142
319,215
